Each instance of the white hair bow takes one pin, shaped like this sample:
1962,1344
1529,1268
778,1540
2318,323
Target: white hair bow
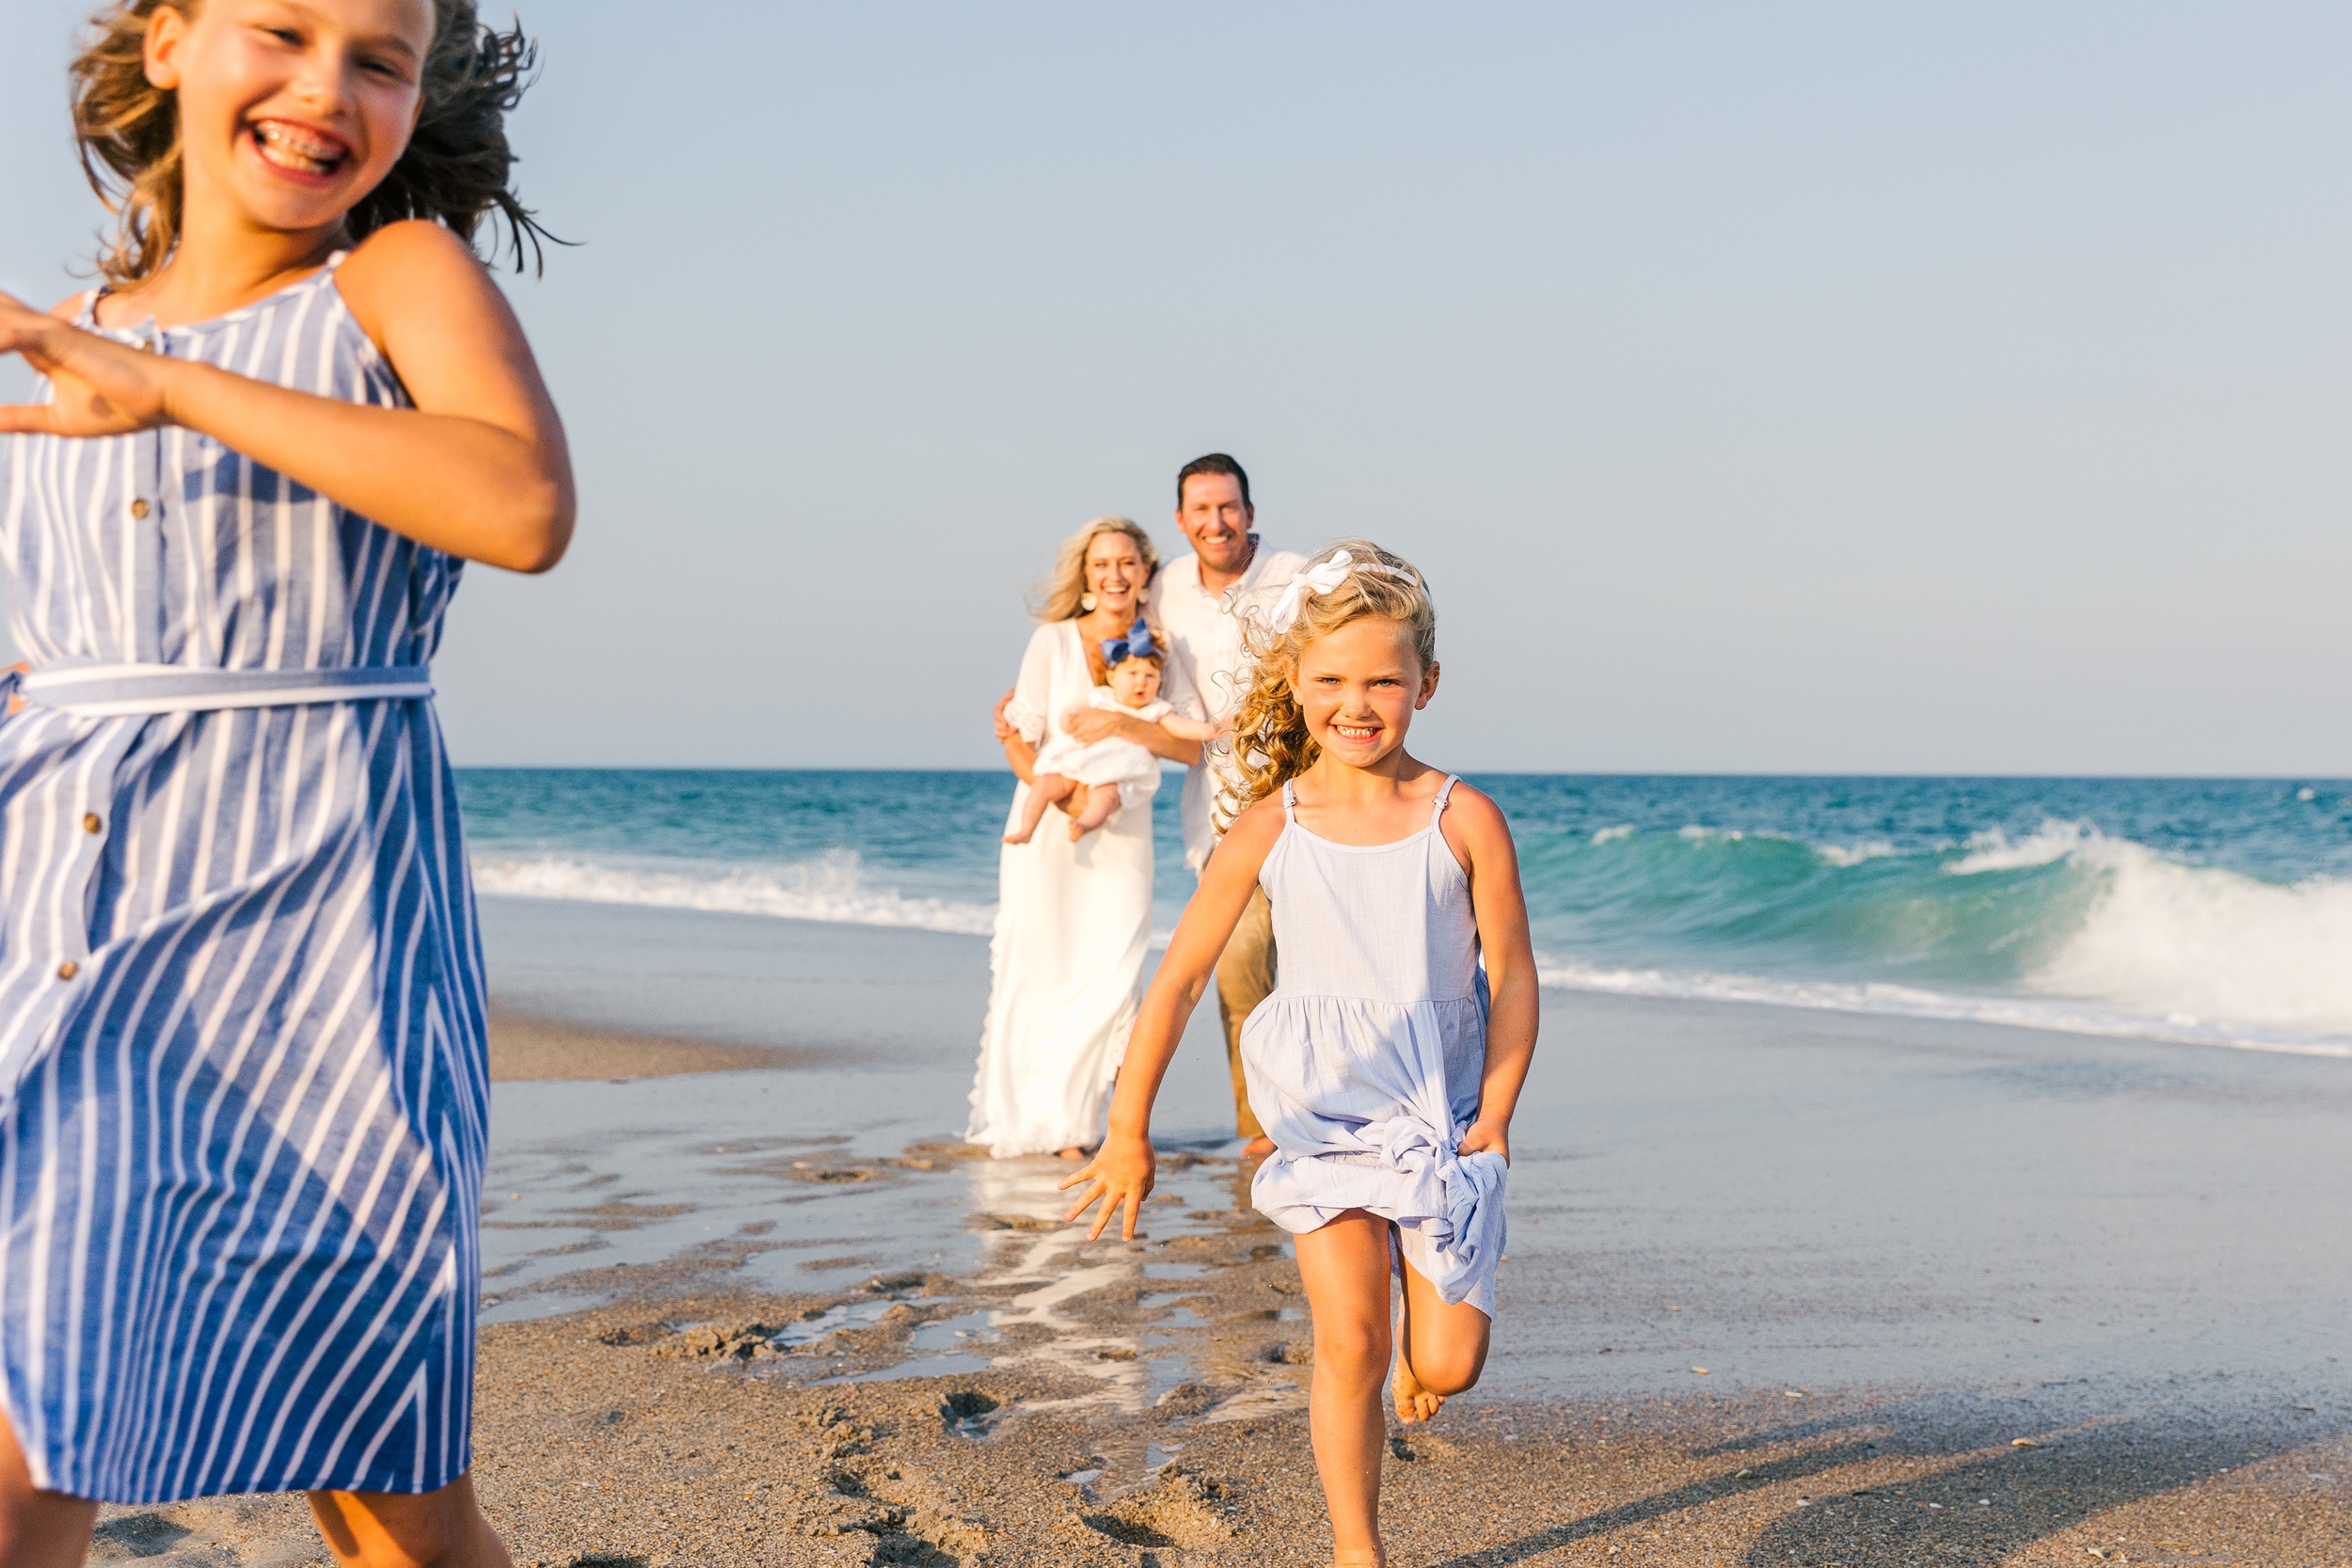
1321,580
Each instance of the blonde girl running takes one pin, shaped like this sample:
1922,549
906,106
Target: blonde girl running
1388,1062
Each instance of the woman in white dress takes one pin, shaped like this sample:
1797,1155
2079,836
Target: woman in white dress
1073,919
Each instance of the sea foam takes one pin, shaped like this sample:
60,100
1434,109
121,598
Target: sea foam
833,886
1995,850
2208,948
1893,1001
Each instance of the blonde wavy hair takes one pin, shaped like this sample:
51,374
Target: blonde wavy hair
454,170
1057,598
1269,744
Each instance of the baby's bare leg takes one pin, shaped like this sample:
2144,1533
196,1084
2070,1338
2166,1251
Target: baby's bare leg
1102,800
1044,790
1440,1350
1345,1267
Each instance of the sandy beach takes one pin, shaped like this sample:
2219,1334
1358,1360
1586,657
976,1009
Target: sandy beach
1785,1288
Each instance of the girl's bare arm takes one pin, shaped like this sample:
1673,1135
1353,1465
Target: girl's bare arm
477,468
1121,1171
1515,994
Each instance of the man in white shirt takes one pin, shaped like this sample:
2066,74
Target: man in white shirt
1195,600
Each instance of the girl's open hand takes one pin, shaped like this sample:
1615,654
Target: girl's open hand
1121,1172
1487,1137
100,388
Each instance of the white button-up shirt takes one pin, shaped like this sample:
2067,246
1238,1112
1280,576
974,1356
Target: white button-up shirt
1208,664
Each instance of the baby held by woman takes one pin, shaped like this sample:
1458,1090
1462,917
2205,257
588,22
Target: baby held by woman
1093,780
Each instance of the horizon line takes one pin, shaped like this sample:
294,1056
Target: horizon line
1466,772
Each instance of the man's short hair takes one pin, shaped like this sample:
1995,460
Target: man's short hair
1216,462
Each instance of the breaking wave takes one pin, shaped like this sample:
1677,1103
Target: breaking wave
2060,928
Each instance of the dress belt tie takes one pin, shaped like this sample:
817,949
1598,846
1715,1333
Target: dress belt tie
111,690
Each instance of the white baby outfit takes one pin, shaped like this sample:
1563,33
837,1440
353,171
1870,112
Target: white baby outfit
1365,1063
1111,760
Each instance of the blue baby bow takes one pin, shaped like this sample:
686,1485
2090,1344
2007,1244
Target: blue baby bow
1137,644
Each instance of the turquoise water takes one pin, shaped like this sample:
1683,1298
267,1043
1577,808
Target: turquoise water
2207,911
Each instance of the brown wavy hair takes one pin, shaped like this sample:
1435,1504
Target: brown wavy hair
1058,596
1270,744
455,169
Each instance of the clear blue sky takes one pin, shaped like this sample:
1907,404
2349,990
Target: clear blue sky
1763,387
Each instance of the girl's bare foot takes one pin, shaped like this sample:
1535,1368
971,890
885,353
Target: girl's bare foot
1414,1403
1372,1557
1021,837
1073,1152
1258,1146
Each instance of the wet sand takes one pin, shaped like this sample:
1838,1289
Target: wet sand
604,1438
524,1049
1961,1294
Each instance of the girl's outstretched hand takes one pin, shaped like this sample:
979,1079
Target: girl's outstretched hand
100,388
1123,1172
1487,1137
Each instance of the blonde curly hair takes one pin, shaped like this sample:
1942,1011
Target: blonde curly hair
1269,744
1059,597
454,170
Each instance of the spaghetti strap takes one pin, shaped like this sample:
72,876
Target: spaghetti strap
1290,803
1437,807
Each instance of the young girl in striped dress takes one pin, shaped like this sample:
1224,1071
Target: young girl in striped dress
243,1065
1387,1063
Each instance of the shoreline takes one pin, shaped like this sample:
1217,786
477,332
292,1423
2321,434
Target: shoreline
814,961
1785,1288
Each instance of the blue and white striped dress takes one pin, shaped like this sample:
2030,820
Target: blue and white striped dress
243,1064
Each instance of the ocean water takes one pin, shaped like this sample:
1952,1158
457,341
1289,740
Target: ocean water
2209,911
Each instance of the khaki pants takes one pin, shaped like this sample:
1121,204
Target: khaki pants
1244,977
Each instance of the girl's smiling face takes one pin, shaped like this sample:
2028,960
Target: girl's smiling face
1359,688
290,110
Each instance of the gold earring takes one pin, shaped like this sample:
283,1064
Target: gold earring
1086,602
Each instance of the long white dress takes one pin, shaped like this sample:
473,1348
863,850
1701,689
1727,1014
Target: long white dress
1071,924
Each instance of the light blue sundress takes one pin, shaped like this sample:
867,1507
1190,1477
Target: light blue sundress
1366,1062
243,1065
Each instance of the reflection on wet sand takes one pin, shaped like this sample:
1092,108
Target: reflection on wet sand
663,1190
